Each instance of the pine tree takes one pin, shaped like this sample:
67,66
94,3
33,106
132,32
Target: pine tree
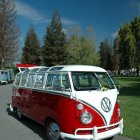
105,55
116,55
54,48
9,32
31,51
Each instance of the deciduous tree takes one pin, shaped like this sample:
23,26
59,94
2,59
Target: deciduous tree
127,47
136,32
9,32
81,49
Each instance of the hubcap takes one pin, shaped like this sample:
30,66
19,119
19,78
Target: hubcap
53,131
19,113
11,108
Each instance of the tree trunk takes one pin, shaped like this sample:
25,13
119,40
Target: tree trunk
137,71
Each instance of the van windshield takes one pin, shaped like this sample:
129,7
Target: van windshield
83,81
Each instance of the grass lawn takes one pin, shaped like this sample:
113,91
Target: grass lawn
130,105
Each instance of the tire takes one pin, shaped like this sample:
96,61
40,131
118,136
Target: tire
52,130
19,114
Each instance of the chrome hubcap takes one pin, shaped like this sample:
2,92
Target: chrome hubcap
19,113
54,131
11,108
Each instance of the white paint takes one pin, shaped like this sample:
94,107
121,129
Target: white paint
94,98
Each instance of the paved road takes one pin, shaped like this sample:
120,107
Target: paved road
12,129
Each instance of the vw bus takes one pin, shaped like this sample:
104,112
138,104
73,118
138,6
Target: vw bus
4,77
10,74
73,102
23,67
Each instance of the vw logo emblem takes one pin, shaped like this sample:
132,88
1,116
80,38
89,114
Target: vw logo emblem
106,104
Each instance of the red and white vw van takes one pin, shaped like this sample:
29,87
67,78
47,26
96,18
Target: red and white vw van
72,102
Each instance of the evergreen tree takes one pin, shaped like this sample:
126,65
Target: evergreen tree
9,32
31,51
105,55
116,55
54,48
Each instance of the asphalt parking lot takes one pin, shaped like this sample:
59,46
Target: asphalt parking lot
10,127
13,129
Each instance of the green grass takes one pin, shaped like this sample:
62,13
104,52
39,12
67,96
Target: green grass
130,105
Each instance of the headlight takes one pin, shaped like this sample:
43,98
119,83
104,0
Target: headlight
86,118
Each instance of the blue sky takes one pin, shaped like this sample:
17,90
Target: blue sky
105,16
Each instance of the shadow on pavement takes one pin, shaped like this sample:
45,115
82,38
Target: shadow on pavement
39,129
34,126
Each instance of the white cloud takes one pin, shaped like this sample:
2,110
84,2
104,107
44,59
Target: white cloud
114,34
68,22
65,30
33,14
29,12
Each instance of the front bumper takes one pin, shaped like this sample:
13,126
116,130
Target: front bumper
95,135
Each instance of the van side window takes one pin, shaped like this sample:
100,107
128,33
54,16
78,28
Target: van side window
23,80
49,81
31,80
65,82
58,82
39,81
17,80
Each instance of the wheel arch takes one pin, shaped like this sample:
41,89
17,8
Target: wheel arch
49,119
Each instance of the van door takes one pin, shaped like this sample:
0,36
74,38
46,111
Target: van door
38,98
28,95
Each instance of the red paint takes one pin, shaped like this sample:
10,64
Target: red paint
59,102
25,65
40,105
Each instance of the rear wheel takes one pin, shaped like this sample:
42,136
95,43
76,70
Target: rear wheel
52,130
19,114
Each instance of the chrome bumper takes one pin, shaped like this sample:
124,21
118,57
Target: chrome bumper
95,135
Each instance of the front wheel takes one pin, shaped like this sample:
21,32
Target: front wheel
52,130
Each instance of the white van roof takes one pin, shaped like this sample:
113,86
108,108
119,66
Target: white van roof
77,68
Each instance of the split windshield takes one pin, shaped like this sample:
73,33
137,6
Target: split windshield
91,81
